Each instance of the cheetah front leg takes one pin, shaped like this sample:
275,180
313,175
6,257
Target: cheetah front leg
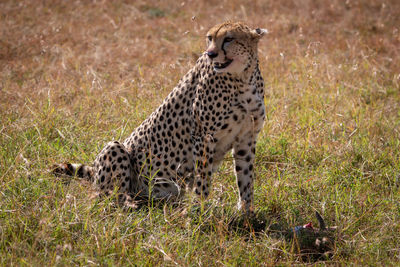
244,154
203,162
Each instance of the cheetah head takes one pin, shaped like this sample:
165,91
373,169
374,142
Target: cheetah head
232,46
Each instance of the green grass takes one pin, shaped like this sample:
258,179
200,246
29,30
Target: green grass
75,76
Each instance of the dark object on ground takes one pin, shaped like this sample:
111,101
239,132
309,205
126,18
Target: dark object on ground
314,243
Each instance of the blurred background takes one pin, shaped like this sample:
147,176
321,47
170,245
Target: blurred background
114,41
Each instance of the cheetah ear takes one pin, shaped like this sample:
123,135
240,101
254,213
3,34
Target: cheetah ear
258,33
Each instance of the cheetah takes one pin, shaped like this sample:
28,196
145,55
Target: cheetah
216,107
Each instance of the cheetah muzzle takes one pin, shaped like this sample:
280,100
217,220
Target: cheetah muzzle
218,106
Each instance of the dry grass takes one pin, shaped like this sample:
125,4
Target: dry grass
77,74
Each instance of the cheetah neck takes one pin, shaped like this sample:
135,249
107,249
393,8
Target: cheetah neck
247,74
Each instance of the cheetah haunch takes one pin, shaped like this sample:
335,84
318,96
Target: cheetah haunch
216,107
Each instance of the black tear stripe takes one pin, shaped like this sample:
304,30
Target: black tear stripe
222,48
215,37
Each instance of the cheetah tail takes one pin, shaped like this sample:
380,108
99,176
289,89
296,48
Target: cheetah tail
78,170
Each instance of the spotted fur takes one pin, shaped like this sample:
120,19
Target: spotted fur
216,107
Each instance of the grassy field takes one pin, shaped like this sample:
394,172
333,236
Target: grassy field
76,74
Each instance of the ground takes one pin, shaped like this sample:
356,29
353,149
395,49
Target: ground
75,75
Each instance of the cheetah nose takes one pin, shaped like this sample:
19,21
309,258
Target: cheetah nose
212,54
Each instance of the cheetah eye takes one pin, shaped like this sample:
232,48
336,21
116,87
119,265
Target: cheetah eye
228,39
209,38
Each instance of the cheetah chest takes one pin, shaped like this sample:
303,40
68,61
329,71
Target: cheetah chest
245,121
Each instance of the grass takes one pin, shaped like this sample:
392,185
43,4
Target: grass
75,75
